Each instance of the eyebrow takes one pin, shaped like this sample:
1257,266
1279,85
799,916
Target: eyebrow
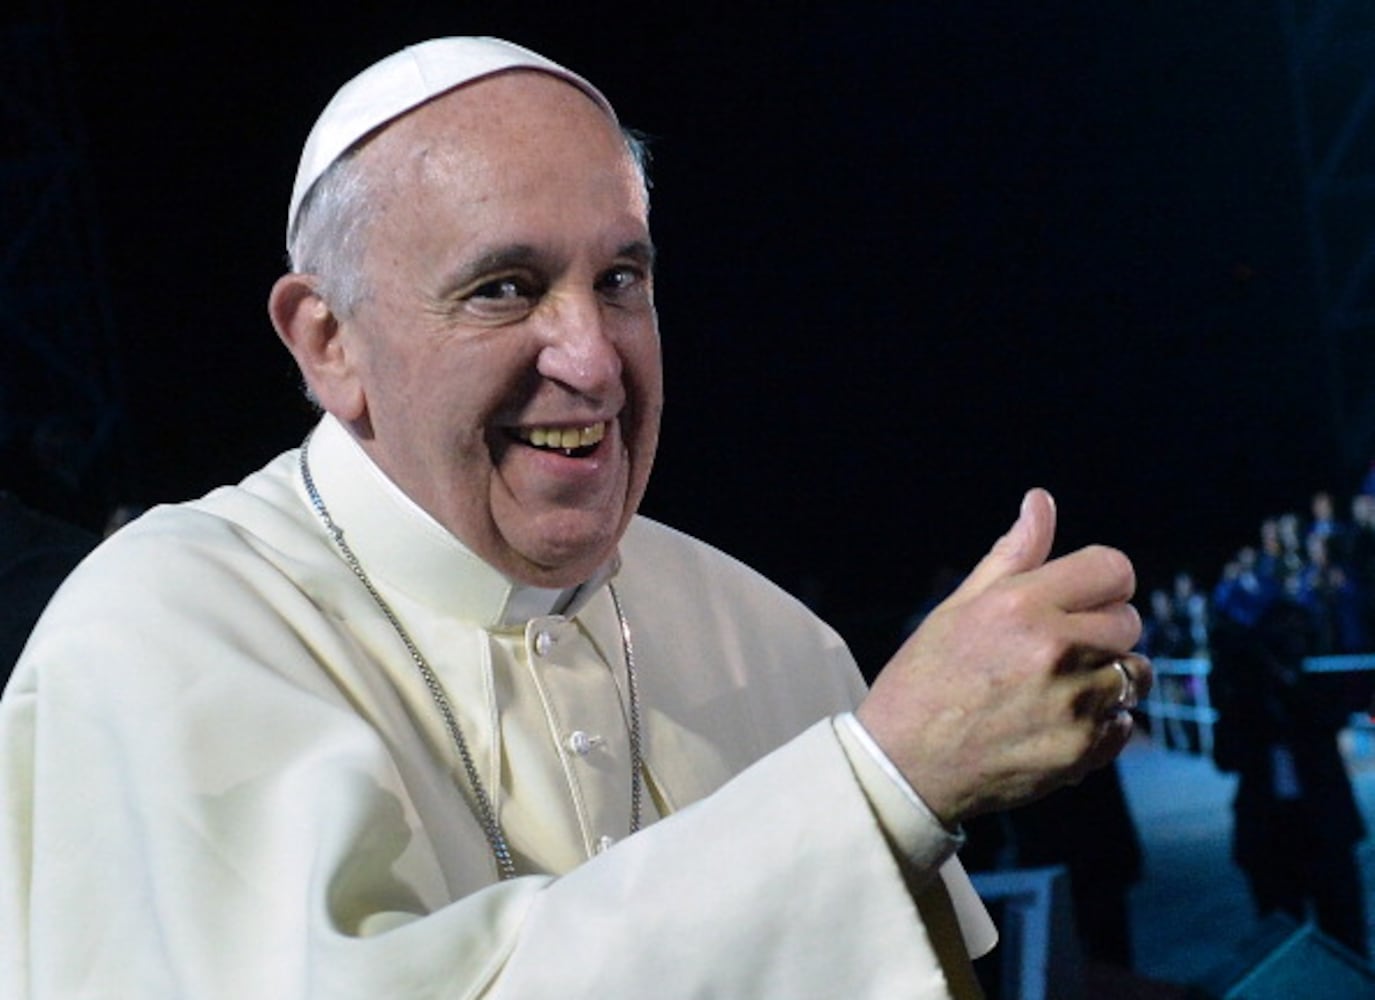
502,258
640,251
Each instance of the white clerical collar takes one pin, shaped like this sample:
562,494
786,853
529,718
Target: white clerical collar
400,543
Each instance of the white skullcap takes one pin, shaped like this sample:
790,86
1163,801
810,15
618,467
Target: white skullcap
405,80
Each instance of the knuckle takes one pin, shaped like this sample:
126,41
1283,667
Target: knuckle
1057,650
1014,602
1113,564
1128,624
1144,674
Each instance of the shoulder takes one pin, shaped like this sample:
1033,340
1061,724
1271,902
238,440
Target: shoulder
726,654
260,518
203,573
689,581
657,555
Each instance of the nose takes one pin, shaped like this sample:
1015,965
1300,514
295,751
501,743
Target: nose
579,352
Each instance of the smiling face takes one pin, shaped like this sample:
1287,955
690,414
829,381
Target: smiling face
503,364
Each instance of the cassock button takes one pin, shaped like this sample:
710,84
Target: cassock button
543,643
604,844
581,743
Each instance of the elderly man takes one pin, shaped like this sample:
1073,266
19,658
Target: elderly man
422,708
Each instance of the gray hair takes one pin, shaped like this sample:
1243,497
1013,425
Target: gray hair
329,238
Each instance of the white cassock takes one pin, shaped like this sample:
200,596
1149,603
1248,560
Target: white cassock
222,775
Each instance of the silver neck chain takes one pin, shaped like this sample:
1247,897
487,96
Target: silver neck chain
481,802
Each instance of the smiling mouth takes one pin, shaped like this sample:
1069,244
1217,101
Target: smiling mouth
574,442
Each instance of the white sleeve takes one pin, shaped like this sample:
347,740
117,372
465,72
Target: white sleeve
915,832
779,886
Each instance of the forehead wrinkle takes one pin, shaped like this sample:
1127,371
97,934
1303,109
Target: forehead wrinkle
470,127
466,127
455,147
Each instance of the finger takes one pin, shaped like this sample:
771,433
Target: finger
1109,740
1110,690
1093,577
1143,674
1025,546
1094,638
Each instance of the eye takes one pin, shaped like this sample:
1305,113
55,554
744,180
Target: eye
501,289
505,298
621,281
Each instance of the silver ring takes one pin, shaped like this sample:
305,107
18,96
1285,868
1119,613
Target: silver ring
1127,700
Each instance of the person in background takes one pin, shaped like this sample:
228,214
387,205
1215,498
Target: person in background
1296,820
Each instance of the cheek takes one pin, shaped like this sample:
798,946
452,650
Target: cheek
644,369
420,386
651,405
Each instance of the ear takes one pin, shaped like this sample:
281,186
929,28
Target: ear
319,343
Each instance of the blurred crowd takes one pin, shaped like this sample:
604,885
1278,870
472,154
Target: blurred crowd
1323,562
1305,588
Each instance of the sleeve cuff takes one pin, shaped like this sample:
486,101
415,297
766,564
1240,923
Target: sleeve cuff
910,826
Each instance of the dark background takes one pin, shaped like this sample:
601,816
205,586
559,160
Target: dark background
915,259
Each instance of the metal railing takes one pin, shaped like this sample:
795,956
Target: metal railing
1179,698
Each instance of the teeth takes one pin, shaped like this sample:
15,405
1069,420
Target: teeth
563,437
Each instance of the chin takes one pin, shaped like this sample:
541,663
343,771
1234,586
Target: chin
553,577
567,566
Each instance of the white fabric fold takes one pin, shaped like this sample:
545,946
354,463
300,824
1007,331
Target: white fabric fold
220,776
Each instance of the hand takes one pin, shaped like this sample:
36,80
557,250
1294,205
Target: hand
1007,690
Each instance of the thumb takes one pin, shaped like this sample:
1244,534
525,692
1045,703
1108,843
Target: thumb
1025,546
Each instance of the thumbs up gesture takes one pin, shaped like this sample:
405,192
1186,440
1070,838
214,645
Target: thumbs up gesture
1018,682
